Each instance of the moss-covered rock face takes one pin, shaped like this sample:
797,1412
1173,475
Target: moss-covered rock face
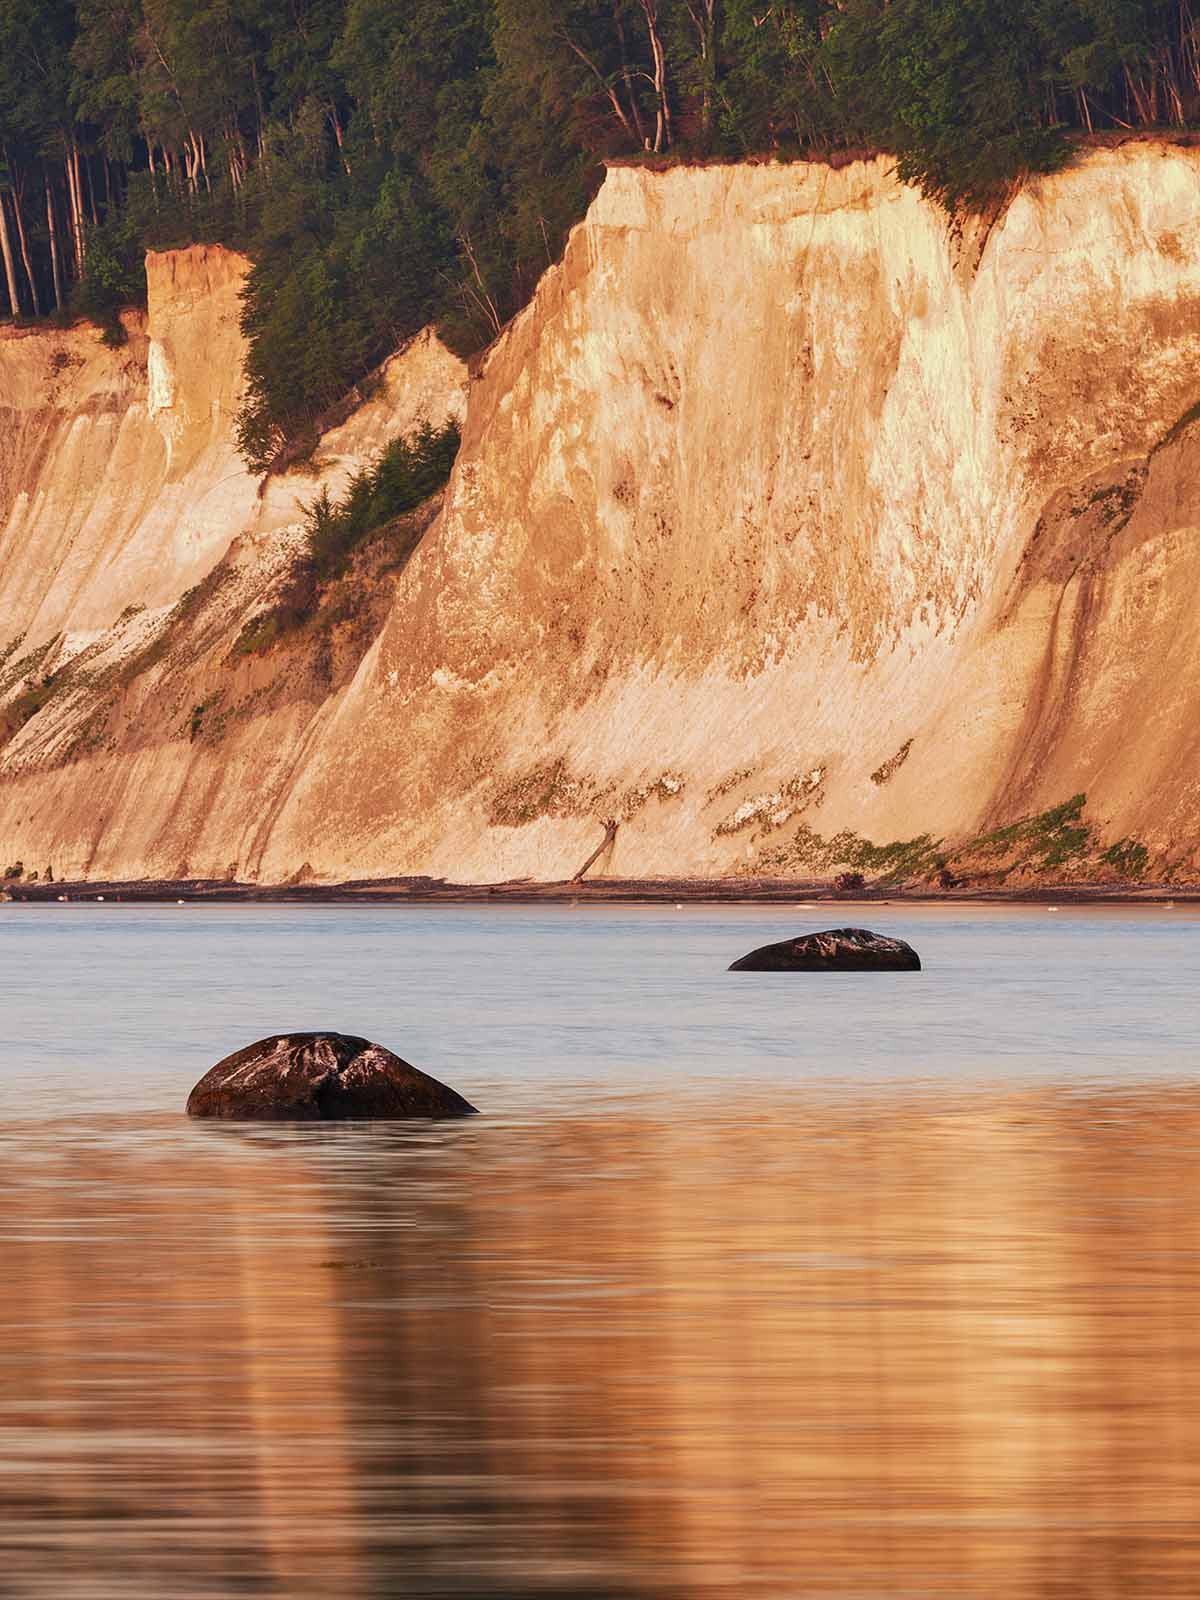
549,790
1057,845
319,1077
1052,840
810,853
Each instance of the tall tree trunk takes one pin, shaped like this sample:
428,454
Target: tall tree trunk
627,75
1141,100
235,154
10,265
614,99
89,182
1174,100
262,115
197,166
1187,44
701,13
481,297
52,228
18,197
662,125
336,121
75,201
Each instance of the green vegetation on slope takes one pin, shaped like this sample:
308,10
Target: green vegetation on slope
409,471
385,162
1056,845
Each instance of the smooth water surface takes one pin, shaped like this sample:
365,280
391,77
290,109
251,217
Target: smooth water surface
744,1285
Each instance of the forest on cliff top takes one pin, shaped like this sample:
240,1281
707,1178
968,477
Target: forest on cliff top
386,163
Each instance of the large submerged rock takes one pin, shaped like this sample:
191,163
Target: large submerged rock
836,950
319,1077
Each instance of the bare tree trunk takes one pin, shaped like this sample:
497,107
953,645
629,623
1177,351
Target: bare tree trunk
262,115
483,299
10,266
75,199
18,196
197,164
1174,100
1141,100
52,227
627,75
701,13
614,99
662,124
1187,44
236,154
336,123
89,180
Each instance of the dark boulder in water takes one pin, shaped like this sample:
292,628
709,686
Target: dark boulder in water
837,950
319,1077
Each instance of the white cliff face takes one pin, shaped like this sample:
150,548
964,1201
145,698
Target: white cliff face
746,496
160,381
782,511
124,485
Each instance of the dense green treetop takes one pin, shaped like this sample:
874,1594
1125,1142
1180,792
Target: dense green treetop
385,162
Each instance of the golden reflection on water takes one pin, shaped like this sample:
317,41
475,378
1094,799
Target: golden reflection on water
912,1345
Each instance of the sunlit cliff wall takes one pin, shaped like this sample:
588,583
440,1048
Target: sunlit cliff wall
786,514
120,480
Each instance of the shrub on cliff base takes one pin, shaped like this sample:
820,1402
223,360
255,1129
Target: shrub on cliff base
409,471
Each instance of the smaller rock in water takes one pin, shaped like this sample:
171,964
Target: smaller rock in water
319,1077
836,950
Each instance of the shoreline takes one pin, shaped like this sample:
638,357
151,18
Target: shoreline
600,891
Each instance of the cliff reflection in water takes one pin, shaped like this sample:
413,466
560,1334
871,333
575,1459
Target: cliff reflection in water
915,1344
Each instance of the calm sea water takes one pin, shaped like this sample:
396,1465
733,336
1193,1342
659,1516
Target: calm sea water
742,1286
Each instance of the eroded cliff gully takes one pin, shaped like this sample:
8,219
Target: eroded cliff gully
791,530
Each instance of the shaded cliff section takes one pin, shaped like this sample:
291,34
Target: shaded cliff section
793,531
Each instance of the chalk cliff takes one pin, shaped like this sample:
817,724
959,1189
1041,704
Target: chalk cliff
792,528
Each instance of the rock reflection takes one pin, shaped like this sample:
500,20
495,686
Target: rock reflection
907,1345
